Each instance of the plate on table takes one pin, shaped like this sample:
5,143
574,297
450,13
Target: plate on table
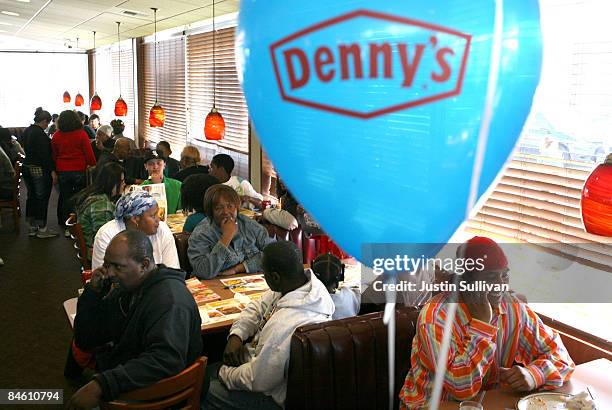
544,401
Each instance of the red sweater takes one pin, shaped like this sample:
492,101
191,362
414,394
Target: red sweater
72,151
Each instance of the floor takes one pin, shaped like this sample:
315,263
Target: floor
38,275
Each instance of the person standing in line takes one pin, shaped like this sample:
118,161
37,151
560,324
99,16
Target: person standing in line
38,174
72,153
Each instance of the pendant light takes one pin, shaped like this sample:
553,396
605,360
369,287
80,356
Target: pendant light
66,97
121,107
214,126
157,115
596,203
96,102
78,100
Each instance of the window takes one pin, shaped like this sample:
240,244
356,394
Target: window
567,134
43,84
171,92
229,97
107,83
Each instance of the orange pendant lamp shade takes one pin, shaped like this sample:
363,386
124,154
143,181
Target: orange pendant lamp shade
79,100
157,116
596,204
96,103
66,97
121,108
214,126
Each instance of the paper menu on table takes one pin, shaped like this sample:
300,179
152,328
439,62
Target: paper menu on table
157,191
246,283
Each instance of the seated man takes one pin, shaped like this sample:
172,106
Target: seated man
255,375
491,332
221,167
172,166
145,327
155,166
135,172
226,242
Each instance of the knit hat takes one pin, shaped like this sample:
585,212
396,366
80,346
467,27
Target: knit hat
491,254
133,204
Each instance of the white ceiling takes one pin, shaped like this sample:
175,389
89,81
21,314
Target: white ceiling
60,22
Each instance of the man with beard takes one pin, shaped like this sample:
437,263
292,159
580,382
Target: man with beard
140,318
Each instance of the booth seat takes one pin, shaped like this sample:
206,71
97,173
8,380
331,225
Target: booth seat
343,364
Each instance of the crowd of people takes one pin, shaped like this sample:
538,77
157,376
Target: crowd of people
140,323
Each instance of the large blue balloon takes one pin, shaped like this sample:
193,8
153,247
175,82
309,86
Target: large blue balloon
371,110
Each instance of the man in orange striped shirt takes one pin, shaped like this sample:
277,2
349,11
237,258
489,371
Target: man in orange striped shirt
491,332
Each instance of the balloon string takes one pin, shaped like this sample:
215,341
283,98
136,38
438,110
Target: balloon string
483,136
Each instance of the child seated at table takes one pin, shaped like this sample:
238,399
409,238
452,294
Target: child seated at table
330,270
254,375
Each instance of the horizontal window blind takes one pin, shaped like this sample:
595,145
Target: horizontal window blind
540,204
107,83
171,91
229,96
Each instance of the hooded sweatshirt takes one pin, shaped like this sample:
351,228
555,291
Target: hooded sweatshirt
147,335
271,321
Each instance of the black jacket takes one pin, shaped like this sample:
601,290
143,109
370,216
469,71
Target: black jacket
37,148
148,335
172,167
196,169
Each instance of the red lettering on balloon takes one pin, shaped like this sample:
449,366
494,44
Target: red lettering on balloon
303,61
323,57
385,50
355,51
410,67
444,65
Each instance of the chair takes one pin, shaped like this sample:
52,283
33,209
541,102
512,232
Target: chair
184,388
14,203
76,233
181,240
343,364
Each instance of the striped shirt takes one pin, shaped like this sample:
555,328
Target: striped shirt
478,349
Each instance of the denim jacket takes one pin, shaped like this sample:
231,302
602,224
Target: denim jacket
208,256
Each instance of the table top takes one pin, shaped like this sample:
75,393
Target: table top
596,374
176,221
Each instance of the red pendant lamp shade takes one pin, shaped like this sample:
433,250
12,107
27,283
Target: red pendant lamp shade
67,97
157,116
96,103
78,100
214,126
596,201
120,108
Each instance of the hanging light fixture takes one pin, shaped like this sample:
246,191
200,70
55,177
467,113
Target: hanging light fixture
157,115
214,125
121,107
96,102
66,97
596,203
78,100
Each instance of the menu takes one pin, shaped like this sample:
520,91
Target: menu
201,293
157,191
246,284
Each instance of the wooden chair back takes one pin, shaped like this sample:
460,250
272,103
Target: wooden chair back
76,233
185,388
14,202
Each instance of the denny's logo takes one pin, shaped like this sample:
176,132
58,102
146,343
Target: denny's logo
365,64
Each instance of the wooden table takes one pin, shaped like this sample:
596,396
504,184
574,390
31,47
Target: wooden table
70,306
176,221
596,374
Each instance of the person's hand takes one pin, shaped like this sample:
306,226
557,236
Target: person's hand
87,397
54,177
99,281
234,352
478,305
157,178
229,228
517,377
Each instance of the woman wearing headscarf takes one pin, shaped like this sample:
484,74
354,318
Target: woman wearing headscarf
137,210
39,174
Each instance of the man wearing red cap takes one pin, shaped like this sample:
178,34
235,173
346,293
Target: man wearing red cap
492,330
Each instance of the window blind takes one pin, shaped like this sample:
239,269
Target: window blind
107,83
171,92
229,96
